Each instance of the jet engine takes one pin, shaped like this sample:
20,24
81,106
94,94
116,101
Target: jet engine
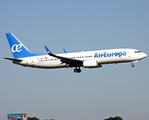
91,64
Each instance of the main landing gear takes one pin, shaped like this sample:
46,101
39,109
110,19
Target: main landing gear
77,70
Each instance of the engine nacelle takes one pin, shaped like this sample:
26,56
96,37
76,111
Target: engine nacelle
91,64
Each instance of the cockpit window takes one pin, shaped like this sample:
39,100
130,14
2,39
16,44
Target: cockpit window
137,51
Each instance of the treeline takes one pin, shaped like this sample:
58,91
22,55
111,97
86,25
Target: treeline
32,118
115,118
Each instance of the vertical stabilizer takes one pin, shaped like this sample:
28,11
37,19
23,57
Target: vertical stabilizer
17,48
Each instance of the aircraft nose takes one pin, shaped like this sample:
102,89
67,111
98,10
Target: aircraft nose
144,55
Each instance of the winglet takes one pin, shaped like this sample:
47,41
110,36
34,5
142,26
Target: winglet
48,51
64,50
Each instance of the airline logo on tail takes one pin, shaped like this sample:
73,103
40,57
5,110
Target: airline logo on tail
16,48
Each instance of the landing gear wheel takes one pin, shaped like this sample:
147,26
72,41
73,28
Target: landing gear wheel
132,65
77,70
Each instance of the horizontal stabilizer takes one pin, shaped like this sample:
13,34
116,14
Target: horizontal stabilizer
12,59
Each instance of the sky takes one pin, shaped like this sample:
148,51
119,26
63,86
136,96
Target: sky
76,25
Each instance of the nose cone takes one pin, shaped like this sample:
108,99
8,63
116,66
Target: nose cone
144,55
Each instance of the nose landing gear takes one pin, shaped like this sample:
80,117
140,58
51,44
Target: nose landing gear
77,70
132,65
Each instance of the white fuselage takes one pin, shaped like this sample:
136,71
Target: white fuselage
89,58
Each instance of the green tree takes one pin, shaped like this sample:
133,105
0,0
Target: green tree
32,118
118,118
115,118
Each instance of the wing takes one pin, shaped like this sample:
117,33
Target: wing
70,62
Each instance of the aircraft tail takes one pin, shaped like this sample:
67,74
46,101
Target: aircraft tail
17,48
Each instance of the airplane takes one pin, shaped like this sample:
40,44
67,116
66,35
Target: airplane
87,59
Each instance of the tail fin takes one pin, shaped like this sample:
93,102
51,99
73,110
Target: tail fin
17,48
